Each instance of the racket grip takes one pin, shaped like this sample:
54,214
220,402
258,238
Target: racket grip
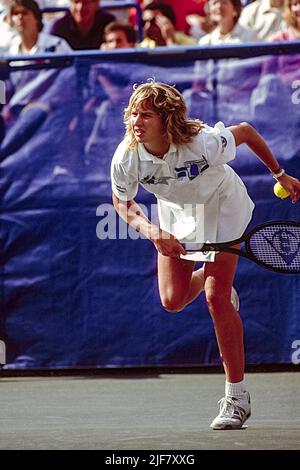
191,247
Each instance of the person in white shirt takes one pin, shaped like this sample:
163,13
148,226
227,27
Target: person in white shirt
26,18
184,163
6,30
225,14
264,17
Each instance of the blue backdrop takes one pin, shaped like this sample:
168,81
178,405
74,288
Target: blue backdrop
70,296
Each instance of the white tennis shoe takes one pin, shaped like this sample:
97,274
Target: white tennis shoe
235,299
233,413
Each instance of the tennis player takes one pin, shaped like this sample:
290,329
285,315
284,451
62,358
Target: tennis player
184,163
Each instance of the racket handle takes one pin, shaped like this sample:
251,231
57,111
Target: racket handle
192,247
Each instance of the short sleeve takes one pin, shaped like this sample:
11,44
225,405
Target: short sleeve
123,179
219,144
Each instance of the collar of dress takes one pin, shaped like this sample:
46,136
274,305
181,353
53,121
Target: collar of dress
146,156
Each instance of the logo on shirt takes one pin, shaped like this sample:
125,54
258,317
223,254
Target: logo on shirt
156,180
189,171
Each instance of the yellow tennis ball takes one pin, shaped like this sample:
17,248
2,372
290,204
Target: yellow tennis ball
279,191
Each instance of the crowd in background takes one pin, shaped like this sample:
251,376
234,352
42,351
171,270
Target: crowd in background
23,28
85,25
62,125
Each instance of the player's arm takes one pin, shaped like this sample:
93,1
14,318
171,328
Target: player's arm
244,133
164,242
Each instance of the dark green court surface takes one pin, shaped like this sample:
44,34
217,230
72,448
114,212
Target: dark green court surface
164,412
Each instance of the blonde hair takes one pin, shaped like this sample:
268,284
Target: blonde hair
288,15
168,103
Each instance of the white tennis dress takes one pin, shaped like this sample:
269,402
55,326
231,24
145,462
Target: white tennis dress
200,198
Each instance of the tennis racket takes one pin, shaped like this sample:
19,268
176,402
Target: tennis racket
274,245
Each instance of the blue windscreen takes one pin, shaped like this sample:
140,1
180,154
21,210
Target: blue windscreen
77,287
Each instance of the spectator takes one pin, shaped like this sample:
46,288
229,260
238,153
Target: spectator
6,30
199,23
225,14
163,8
26,85
167,10
264,17
26,18
159,28
118,35
292,18
83,25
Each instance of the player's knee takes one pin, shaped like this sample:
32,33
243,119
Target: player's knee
173,304
214,301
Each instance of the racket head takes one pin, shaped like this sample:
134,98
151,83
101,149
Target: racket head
276,246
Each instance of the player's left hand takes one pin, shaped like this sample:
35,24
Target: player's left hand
292,185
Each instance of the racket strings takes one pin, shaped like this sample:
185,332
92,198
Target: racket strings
277,246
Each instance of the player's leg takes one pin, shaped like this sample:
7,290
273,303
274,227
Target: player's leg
196,285
174,280
228,325
235,406
195,282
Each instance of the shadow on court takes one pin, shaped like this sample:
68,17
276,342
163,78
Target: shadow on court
163,412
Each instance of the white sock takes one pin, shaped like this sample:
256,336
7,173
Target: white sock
236,390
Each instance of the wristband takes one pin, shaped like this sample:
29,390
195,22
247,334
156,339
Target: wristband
278,173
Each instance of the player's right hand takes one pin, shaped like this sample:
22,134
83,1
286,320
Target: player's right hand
167,245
